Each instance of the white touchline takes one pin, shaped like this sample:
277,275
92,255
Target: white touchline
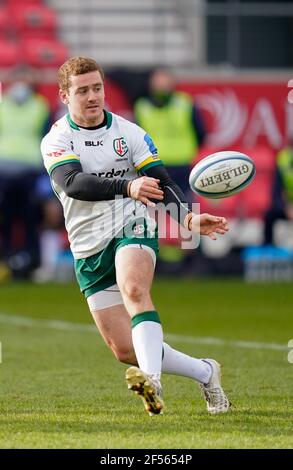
15,320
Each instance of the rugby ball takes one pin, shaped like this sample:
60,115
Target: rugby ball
222,174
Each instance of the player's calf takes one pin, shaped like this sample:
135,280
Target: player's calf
125,356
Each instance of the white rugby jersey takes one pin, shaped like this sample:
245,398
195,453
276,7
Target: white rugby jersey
118,150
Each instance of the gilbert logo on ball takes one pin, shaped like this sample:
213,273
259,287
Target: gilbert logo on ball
222,174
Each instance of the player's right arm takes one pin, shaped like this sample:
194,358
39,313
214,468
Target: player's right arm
89,187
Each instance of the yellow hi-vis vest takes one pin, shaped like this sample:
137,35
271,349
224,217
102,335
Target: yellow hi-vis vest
285,165
170,127
21,128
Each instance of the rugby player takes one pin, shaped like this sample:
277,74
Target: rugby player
106,172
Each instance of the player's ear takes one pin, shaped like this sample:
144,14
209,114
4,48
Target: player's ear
63,96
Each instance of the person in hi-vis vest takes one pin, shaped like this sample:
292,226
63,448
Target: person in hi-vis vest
282,194
25,191
177,128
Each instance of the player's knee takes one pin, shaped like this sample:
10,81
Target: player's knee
134,291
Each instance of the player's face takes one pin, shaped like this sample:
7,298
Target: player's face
85,99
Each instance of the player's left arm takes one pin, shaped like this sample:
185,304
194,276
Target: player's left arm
206,224
147,163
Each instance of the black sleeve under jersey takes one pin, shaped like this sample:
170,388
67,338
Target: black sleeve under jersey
172,192
87,186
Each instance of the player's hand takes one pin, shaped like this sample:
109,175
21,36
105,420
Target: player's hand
145,188
209,225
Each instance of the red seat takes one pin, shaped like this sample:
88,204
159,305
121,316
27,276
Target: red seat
6,25
44,52
33,18
9,53
23,3
37,34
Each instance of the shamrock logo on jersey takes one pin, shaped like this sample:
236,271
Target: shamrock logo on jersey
120,146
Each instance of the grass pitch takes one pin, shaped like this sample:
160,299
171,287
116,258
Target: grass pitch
60,387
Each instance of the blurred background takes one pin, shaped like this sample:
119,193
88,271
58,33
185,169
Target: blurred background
224,67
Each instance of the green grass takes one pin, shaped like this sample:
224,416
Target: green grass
63,389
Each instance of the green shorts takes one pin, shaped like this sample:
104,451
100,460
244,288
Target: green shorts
98,272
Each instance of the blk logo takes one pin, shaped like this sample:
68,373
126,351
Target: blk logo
94,143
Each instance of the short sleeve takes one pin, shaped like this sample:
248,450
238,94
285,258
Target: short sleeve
144,151
56,151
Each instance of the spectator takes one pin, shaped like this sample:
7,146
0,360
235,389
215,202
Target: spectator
24,119
177,128
175,123
282,194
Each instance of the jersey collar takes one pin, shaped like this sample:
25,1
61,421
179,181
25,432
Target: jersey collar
75,126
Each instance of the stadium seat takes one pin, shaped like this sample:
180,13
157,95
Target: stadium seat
9,53
36,34
5,23
33,19
44,52
14,3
